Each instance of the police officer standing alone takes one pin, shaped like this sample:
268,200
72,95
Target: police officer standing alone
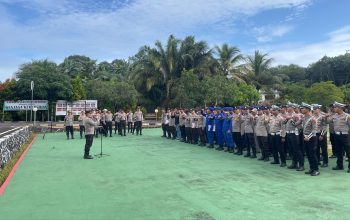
138,116
90,124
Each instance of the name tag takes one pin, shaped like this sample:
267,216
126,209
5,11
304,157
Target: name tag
209,127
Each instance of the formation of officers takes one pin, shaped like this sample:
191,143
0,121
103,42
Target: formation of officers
93,123
285,132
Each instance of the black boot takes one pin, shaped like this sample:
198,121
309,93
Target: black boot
301,168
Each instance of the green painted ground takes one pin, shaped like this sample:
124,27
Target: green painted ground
149,177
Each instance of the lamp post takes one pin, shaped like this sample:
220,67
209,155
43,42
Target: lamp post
35,109
31,103
156,111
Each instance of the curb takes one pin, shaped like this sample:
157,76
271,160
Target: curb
8,179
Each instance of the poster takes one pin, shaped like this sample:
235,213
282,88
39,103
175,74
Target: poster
23,105
76,107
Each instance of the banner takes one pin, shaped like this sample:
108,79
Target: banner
76,107
23,105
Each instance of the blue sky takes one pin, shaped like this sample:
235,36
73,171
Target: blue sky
291,31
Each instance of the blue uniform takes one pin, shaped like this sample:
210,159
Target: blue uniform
219,121
209,128
227,130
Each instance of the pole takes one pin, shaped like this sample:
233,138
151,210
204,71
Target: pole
31,103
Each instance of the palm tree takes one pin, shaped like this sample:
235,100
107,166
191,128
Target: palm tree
256,66
259,63
229,57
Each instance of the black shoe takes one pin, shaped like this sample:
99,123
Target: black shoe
253,156
163,136
301,168
239,153
332,157
247,155
266,159
88,157
283,165
274,162
219,149
230,151
308,172
315,173
293,166
324,165
338,168
261,158
211,146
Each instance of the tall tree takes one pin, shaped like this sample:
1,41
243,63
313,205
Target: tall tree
79,91
228,59
78,65
49,83
257,65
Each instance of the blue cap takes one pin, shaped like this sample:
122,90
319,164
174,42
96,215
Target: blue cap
211,109
217,108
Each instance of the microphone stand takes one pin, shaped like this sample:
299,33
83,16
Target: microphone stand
101,154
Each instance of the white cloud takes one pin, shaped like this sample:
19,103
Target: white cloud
338,43
267,33
116,29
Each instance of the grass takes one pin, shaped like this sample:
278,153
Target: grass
149,177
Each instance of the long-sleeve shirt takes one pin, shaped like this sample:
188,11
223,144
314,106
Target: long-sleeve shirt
248,121
130,117
68,120
275,124
236,123
89,125
309,125
260,125
138,116
341,123
321,123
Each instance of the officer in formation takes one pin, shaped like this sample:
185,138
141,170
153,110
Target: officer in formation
279,132
81,124
68,123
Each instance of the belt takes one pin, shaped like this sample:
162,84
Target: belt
275,133
341,133
290,132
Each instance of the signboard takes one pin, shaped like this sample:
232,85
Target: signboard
76,107
23,105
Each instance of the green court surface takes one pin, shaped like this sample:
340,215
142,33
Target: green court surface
149,177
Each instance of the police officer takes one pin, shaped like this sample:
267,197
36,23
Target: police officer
116,123
227,129
219,121
330,122
292,138
172,126
81,124
261,132
188,127
341,128
248,123
68,122
236,130
90,124
275,126
138,116
130,121
310,140
209,126
109,123
163,119
123,118
201,128
321,134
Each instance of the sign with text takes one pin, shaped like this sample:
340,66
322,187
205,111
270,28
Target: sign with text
23,105
76,107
